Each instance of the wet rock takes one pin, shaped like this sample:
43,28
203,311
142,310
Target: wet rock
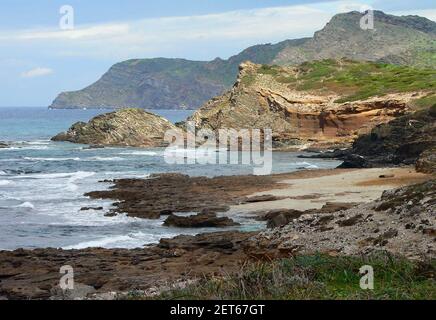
262,198
163,194
91,208
3,145
94,146
202,220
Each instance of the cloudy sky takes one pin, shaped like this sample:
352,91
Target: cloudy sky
39,59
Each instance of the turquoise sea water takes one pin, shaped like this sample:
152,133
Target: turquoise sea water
42,183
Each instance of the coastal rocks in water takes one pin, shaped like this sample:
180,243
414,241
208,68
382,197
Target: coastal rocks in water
201,220
3,145
34,274
273,97
125,127
163,194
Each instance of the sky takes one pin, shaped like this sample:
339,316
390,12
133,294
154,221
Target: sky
42,53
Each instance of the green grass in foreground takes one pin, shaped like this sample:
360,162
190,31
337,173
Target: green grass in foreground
318,277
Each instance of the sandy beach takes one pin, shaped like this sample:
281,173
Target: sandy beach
313,189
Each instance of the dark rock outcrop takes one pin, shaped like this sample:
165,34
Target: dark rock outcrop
401,141
201,220
164,194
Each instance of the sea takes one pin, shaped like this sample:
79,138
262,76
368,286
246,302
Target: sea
42,183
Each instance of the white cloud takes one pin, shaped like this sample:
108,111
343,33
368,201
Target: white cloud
166,35
37,72
193,37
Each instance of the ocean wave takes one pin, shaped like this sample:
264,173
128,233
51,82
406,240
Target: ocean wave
104,159
5,182
2,173
132,240
51,159
26,205
140,153
62,175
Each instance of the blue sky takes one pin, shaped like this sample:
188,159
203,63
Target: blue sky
38,59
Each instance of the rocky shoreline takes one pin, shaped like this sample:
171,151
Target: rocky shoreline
110,273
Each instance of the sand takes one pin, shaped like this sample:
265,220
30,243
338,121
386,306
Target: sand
316,188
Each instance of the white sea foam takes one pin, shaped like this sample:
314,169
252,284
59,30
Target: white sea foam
61,175
307,165
2,173
77,176
26,205
51,159
105,159
5,182
140,153
131,240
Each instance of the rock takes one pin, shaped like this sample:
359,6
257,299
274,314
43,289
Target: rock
354,161
262,198
3,145
34,274
406,140
125,127
350,221
91,208
202,220
427,161
269,97
94,146
164,83
163,194
386,176
279,218
80,292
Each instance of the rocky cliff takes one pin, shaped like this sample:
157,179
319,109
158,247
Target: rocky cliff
177,83
318,104
407,140
125,127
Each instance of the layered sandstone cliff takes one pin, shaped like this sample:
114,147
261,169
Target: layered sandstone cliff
317,104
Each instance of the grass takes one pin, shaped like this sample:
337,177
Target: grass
318,277
359,80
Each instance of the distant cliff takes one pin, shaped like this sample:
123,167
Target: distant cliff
176,83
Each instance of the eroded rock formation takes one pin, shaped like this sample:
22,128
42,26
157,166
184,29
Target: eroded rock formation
125,127
273,97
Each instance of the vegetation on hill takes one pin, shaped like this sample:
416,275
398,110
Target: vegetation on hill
360,80
178,83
